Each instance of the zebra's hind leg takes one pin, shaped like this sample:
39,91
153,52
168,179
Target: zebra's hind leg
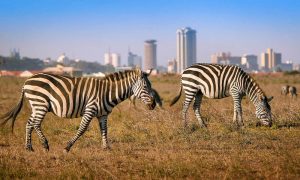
38,118
86,119
237,114
188,99
103,128
197,105
29,129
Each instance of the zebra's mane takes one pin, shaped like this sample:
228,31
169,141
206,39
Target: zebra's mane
254,82
122,74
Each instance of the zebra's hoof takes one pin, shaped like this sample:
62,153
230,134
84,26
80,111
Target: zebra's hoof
106,148
29,149
66,150
46,149
203,125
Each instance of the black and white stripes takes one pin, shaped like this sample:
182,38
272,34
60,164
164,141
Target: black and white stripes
219,81
79,97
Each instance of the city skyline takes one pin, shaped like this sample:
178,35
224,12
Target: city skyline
88,29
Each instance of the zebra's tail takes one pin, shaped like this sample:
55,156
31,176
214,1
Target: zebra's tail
12,114
177,97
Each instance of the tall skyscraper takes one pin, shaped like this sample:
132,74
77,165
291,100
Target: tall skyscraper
150,54
186,48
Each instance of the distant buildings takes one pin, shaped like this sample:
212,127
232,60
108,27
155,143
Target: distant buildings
249,62
113,59
284,67
15,54
172,66
63,59
150,61
225,58
186,48
270,59
134,60
62,70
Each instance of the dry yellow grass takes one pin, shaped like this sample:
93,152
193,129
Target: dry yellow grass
153,144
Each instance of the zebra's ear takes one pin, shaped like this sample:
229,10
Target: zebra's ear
148,72
269,99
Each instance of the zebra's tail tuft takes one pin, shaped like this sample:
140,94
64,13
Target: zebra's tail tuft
12,114
177,97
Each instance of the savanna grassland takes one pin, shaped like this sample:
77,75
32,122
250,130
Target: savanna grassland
154,144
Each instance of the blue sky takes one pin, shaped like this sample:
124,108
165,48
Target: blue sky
86,29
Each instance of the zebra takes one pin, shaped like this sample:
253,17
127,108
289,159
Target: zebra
84,97
285,90
156,96
293,91
220,81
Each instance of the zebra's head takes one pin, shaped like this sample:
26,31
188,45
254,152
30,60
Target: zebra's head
263,111
142,89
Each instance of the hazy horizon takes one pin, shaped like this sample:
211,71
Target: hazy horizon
86,29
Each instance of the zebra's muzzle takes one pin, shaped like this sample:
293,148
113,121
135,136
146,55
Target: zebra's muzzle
267,124
152,105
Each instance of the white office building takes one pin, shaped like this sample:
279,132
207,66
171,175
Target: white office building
113,59
186,48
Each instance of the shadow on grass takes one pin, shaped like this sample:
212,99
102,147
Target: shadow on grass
4,145
288,125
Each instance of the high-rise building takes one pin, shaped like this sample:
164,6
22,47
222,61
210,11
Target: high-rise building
134,60
107,58
113,59
270,54
277,59
264,61
270,59
186,48
249,62
150,54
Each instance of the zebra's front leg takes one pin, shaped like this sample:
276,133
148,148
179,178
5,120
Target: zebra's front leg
86,119
103,129
29,129
237,114
197,105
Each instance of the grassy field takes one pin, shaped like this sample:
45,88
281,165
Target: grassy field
154,145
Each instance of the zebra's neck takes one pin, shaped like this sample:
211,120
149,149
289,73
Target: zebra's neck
252,90
118,87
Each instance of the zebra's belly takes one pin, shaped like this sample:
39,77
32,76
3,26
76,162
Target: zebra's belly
216,95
